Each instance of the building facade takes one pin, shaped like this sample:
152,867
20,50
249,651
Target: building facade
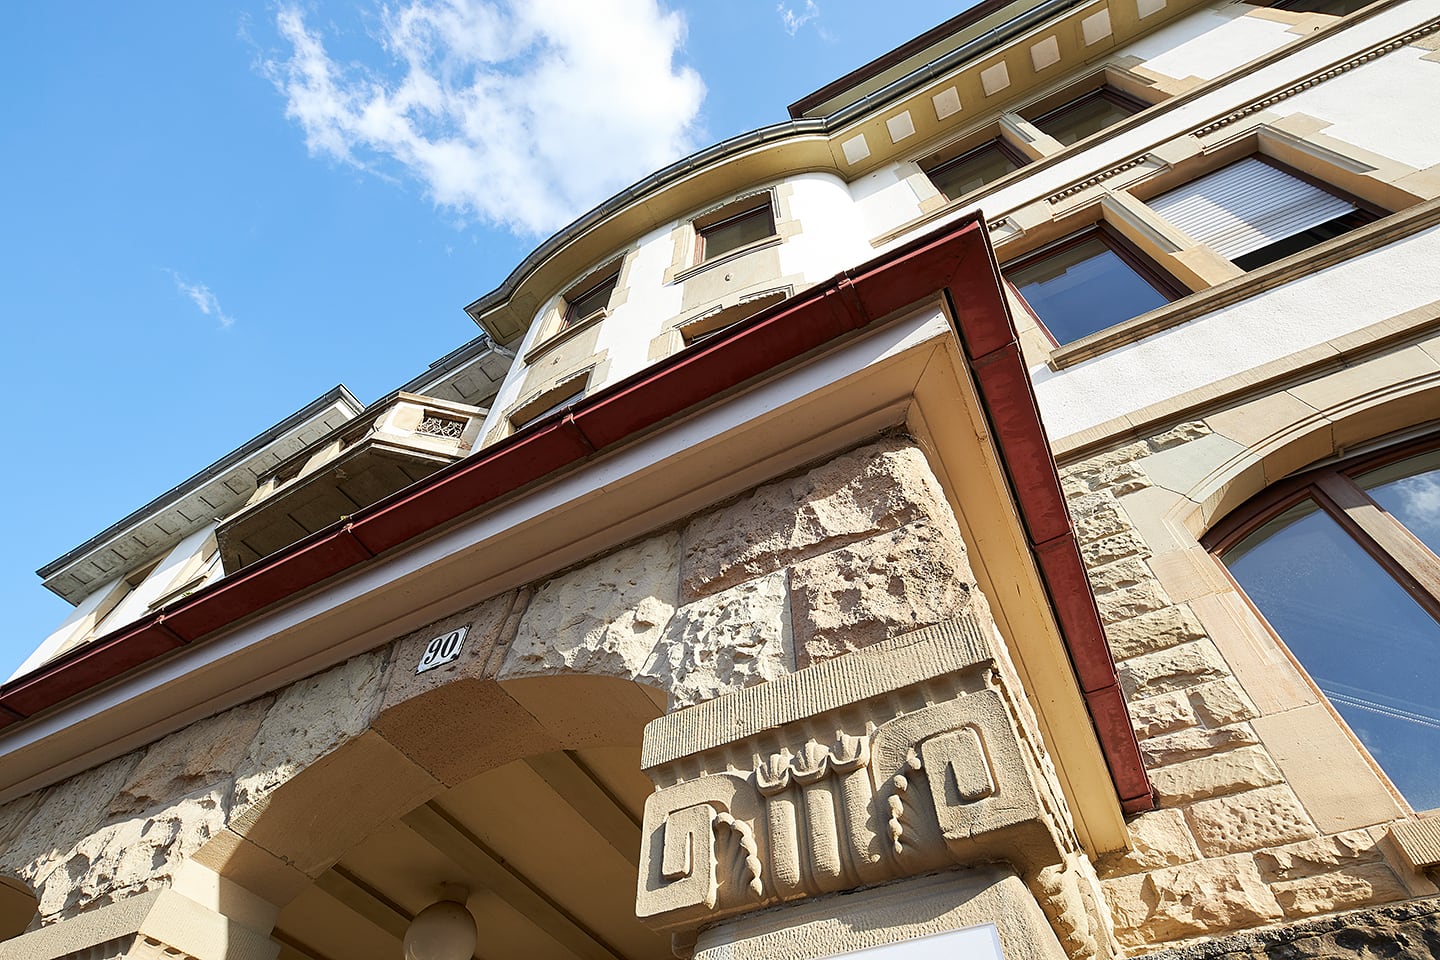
994,513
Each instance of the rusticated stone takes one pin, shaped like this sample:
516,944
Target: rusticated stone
725,641
1231,772
1221,702
1248,821
1109,459
309,719
1204,897
870,490
1343,889
1120,575
1321,855
1184,433
487,625
202,754
1176,668
1098,517
67,812
132,856
1401,931
879,588
1127,544
603,618
1149,632
1133,601
1195,742
1156,715
1158,839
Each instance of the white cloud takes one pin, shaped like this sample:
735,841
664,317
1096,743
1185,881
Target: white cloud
794,21
202,296
522,113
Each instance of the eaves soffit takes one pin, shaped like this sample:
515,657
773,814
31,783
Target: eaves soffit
1039,46
218,489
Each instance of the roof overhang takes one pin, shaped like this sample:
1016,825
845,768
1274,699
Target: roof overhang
920,337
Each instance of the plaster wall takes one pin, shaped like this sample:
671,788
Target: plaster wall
627,333
1276,323
1380,106
832,237
1210,42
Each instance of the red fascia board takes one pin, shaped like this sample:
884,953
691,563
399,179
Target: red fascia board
957,264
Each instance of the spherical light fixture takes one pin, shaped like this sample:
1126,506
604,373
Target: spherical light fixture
442,931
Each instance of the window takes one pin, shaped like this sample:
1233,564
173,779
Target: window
1341,562
589,301
734,226
1088,113
1088,282
972,169
1254,212
565,394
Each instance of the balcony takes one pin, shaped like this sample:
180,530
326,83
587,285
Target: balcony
388,447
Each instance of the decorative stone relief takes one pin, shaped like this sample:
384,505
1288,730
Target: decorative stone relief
904,758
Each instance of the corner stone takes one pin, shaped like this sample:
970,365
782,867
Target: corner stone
1189,901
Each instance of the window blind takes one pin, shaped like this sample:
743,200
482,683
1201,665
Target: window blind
1247,206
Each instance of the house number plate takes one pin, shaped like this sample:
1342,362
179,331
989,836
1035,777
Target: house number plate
442,650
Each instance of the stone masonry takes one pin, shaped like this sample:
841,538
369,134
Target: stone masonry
1230,847
806,568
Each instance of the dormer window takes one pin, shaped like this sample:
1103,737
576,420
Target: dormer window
586,302
1088,113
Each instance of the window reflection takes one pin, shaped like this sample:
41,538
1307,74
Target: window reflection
1410,492
1083,287
1364,640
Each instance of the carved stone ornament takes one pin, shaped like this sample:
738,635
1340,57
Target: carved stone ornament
904,758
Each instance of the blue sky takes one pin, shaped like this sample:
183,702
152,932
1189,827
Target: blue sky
213,212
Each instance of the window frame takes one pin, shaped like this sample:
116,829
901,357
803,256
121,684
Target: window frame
930,166
571,316
743,208
1333,489
1149,271
1107,91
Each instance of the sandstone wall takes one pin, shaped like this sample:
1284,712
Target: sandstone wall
801,570
1267,811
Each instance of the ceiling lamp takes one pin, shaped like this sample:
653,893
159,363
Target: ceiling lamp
445,930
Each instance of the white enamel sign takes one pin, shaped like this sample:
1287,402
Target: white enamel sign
972,943
442,650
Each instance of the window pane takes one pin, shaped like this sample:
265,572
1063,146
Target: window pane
1092,114
737,231
971,171
1084,288
595,299
1369,647
1410,492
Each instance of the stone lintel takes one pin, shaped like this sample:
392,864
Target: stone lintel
159,923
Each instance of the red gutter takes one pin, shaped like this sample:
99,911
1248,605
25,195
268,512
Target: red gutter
957,263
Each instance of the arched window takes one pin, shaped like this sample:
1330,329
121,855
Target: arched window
1342,563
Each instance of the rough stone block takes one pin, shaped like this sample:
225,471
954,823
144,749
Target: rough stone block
1221,702
1321,855
1126,544
68,812
1101,522
603,618
1195,742
1153,631
1184,433
204,753
1120,575
1190,901
1144,597
725,641
1158,839
1343,889
1266,817
134,855
870,490
1244,769
879,588
309,719
1156,715
1176,668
